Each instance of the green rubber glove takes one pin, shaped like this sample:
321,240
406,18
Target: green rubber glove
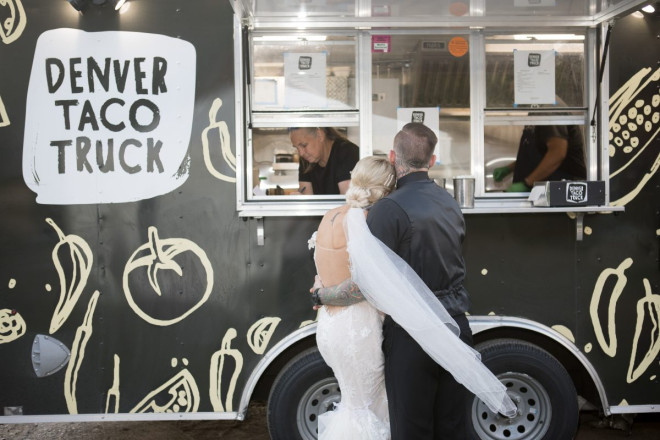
518,187
500,173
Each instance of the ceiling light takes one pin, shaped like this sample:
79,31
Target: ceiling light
290,38
119,4
648,9
547,37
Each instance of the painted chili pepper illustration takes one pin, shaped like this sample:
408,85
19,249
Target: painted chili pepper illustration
217,369
83,333
113,396
619,272
81,265
648,319
225,143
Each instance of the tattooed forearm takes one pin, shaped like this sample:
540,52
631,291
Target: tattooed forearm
343,294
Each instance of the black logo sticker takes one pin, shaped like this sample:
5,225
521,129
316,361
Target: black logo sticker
534,60
576,192
304,63
417,116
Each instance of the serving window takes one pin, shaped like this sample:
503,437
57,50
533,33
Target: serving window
480,91
423,78
535,89
303,72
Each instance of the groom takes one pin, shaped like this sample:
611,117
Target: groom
423,224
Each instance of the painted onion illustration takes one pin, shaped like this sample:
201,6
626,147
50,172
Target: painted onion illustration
259,334
12,326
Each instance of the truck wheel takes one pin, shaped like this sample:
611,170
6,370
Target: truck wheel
537,383
304,389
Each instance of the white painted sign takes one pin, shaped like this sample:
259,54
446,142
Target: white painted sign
108,116
534,76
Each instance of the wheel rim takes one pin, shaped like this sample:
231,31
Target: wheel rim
319,398
532,420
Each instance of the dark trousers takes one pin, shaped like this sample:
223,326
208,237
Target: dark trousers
425,402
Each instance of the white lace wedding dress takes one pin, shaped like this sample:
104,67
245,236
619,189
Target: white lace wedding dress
349,338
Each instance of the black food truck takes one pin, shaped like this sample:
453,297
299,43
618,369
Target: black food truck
154,260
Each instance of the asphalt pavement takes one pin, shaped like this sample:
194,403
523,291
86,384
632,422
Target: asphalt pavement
592,427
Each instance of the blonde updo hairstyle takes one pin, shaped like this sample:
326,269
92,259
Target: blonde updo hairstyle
372,179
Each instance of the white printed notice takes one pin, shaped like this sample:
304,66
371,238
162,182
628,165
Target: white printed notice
534,76
305,80
108,116
429,116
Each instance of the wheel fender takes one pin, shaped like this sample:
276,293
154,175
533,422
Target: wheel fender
480,324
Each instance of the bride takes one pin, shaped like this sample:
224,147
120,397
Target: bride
349,337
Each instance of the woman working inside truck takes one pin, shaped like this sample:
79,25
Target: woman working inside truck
326,160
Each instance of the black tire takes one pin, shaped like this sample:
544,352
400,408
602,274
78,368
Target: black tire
304,389
540,386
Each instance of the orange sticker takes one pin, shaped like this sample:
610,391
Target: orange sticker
458,8
458,46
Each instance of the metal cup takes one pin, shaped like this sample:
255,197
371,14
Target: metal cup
464,191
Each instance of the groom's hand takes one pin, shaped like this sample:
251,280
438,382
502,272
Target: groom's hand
317,285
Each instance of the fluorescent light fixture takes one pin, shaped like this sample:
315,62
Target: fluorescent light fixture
546,37
119,4
648,9
290,38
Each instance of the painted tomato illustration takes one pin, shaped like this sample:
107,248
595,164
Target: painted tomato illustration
162,280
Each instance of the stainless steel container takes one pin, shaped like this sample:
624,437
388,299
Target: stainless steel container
440,181
464,191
